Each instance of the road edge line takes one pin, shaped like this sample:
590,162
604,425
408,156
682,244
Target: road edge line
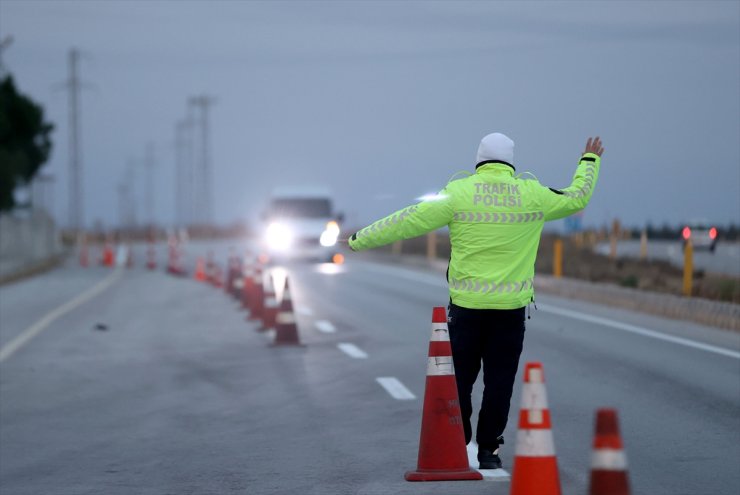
645,332
29,333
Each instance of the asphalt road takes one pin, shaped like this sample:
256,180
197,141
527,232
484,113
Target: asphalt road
158,385
724,260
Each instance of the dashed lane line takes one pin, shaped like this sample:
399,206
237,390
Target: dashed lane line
395,388
352,350
325,326
29,333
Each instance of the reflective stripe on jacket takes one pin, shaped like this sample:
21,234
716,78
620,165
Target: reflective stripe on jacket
495,221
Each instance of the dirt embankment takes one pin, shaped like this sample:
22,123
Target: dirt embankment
581,262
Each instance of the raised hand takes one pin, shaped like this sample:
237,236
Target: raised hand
593,145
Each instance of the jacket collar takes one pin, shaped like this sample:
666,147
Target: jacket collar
495,166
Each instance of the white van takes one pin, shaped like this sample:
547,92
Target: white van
300,222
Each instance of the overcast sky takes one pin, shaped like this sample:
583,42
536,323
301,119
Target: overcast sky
383,101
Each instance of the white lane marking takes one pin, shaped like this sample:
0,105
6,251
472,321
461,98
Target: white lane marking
325,326
352,350
26,335
435,281
488,474
304,310
638,330
395,388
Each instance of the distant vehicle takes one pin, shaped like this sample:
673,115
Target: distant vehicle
300,222
701,235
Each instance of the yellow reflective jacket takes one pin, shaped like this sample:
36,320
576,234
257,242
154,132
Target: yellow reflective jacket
495,221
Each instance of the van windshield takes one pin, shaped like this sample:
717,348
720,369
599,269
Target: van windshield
300,208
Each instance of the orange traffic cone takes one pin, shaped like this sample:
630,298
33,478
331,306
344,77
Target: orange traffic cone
200,270
608,461
285,323
270,310
535,464
442,452
256,302
108,256
247,286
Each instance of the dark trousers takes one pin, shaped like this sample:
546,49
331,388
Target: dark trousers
495,338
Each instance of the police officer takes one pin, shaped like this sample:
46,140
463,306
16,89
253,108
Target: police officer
495,219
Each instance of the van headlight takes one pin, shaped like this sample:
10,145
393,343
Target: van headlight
330,234
278,237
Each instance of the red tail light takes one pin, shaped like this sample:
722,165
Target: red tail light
686,233
713,233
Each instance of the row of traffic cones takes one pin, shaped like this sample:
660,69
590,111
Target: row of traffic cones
255,288
260,298
123,256
108,256
442,451
535,464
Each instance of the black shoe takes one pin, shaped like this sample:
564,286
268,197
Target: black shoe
488,456
488,459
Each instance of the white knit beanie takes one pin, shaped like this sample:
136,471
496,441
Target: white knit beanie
496,146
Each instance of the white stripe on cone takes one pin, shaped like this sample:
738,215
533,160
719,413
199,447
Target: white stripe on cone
440,333
534,443
285,317
535,376
535,416
440,366
609,460
534,396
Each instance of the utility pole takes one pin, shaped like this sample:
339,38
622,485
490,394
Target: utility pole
76,203
149,166
130,181
191,191
181,174
123,206
4,44
202,103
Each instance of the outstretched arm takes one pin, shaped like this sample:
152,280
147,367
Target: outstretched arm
406,223
559,203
